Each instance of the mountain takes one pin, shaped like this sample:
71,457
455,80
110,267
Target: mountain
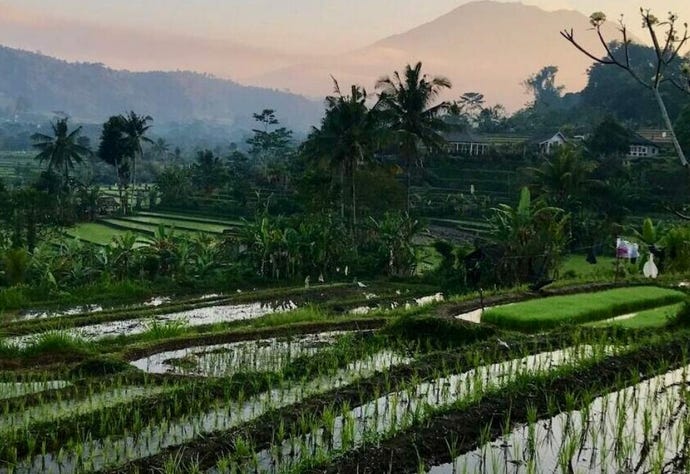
485,46
91,92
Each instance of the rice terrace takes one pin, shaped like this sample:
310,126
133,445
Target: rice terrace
445,237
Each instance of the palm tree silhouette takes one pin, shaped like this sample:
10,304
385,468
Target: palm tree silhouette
408,100
349,135
62,150
134,129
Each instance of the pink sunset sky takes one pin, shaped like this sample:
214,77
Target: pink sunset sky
245,39
302,27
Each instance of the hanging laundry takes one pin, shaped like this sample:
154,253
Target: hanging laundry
634,253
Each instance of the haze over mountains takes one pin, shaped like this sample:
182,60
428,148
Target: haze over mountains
484,46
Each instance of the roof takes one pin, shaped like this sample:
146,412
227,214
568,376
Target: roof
539,139
464,137
637,139
484,138
656,135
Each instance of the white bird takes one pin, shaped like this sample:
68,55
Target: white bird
361,285
503,343
306,282
239,291
321,279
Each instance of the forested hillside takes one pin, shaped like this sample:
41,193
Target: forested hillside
33,85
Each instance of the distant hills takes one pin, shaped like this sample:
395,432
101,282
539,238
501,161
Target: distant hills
92,92
485,46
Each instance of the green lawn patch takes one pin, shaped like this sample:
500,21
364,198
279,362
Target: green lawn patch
550,312
95,233
577,267
651,318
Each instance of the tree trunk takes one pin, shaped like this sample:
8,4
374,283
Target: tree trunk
409,178
119,189
669,126
342,191
354,200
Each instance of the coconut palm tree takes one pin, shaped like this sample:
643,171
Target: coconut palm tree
410,103
564,179
62,150
134,129
350,134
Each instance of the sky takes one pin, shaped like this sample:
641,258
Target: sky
304,27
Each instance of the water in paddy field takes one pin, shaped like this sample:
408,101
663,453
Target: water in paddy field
642,428
422,301
223,360
29,315
98,454
398,410
193,317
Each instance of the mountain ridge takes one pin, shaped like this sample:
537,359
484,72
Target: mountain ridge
90,92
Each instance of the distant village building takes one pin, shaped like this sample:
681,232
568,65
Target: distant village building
550,144
641,147
470,144
467,144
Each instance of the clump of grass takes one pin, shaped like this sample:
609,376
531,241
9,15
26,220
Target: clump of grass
99,367
56,343
157,330
437,333
306,314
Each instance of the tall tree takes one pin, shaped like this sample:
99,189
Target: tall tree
134,129
349,135
271,142
115,150
543,88
610,138
62,150
161,148
410,102
668,40
209,172
563,180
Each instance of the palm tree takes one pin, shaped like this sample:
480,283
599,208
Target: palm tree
62,150
564,179
161,148
408,101
134,129
349,135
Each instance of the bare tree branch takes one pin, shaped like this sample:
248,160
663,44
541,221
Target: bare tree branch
665,56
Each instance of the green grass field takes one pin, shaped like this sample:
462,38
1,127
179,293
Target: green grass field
18,167
581,308
96,233
179,224
576,266
651,318
145,225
